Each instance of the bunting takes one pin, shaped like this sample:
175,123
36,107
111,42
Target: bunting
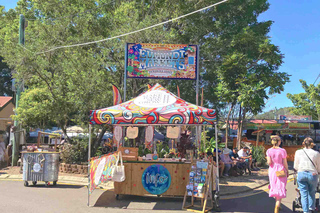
116,95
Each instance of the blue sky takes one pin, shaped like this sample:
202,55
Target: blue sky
296,30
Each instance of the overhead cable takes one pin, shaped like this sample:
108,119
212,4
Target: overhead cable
136,31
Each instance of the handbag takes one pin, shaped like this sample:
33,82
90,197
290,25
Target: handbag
117,172
281,173
310,159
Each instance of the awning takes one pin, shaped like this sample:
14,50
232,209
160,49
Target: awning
153,107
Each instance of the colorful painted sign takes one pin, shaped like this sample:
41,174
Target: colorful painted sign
278,126
171,61
156,179
100,169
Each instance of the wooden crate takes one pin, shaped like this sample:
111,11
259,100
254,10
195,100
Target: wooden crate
129,153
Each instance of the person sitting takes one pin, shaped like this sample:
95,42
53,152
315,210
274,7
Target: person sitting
240,164
228,163
221,164
243,154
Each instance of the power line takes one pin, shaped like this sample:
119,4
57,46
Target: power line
316,79
146,28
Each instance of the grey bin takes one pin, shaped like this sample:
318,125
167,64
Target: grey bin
40,166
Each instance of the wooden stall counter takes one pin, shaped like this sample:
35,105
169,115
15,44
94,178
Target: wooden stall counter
154,178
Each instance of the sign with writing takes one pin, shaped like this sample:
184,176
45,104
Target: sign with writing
299,126
132,132
156,179
267,126
202,164
295,117
173,132
155,99
171,61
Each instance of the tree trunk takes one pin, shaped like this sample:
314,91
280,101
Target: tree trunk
97,141
227,125
243,117
239,134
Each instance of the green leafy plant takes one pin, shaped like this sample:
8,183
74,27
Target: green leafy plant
258,154
212,145
76,151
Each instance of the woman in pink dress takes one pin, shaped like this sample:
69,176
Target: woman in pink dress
277,160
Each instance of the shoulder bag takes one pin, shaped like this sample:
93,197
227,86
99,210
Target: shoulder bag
117,172
310,160
282,173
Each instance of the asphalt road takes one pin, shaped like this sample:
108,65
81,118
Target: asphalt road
16,198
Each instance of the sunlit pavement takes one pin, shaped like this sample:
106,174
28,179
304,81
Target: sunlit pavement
72,198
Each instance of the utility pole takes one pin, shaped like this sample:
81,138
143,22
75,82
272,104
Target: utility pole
16,141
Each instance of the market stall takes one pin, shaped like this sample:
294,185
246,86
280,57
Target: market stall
150,174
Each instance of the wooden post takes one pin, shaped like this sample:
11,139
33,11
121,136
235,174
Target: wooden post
257,143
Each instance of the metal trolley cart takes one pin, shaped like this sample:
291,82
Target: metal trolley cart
41,165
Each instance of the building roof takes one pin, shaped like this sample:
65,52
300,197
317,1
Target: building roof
4,100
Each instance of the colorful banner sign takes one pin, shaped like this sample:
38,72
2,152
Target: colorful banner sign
267,126
156,179
296,117
100,169
278,126
171,61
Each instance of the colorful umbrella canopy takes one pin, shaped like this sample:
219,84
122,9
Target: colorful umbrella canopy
153,107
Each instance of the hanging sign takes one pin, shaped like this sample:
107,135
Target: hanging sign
132,132
171,61
173,132
156,179
117,134
149,134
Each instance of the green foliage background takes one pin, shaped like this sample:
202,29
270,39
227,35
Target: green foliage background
238,62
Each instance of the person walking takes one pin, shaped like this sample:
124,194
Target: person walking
278,171
307,164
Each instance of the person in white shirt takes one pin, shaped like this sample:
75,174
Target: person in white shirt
307,164
243,154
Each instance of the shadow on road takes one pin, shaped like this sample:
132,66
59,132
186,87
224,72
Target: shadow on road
58,186
108,200
259,202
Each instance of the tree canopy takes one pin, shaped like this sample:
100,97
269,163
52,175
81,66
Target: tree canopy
308,102
238,62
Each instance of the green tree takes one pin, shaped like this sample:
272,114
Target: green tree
5,79
308,102
237,59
